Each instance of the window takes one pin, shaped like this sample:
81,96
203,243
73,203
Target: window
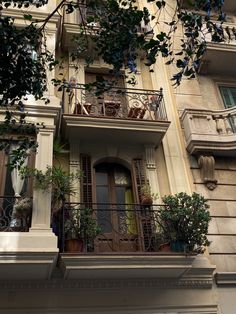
229,96
12,188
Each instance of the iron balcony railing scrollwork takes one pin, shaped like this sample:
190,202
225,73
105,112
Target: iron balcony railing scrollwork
120,103
120,227
13,217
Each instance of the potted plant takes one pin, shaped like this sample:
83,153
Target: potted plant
22,207
147,197
60,181
21,212
184,221
81,229
62,185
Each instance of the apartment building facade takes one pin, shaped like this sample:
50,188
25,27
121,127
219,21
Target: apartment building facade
176,140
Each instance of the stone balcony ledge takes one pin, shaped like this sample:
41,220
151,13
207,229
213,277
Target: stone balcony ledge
210,131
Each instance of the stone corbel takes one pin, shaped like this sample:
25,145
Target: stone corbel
207,168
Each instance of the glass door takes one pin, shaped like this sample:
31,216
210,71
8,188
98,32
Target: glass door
115,209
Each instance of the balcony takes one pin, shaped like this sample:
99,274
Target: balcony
84,16
121,115
126,245
223,51
208,131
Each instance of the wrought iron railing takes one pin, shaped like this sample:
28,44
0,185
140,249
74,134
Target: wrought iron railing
13,218
120,103
111,228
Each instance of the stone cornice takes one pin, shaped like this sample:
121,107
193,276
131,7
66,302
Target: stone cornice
37,14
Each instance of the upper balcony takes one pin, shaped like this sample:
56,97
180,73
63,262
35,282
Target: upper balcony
210,131
123,115
84,17
224,51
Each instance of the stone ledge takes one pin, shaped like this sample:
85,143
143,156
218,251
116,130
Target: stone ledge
183,268
225,278
26,265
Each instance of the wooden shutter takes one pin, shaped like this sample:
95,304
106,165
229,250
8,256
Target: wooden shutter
145,223
86,183
139,176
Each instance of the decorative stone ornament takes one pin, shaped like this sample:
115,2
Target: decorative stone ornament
207,168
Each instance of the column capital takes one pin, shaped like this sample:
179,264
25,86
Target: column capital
150,156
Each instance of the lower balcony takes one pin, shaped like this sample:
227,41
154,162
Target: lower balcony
120,241
21,259
208,131
119,114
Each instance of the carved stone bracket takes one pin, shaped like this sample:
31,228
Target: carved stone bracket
207,168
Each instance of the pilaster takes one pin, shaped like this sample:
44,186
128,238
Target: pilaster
41,214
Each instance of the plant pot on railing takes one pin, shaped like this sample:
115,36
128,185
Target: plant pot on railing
147,197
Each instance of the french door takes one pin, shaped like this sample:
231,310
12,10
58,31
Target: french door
116,213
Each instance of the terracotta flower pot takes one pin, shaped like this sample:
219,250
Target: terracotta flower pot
165,247
74,245
146,200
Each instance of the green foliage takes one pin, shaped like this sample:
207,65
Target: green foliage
80,223
23,63
22,3
89,228
55,178
186,218
146,191
124,32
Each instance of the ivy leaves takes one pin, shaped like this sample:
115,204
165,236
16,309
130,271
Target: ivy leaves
22,3
23,62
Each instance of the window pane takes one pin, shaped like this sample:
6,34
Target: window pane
101,178
103,209
229,96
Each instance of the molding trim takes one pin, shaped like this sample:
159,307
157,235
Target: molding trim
107,284
225,278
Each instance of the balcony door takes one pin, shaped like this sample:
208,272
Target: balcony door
115,209
109,103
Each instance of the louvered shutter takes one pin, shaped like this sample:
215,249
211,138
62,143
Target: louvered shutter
86,183
146,224
139,176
